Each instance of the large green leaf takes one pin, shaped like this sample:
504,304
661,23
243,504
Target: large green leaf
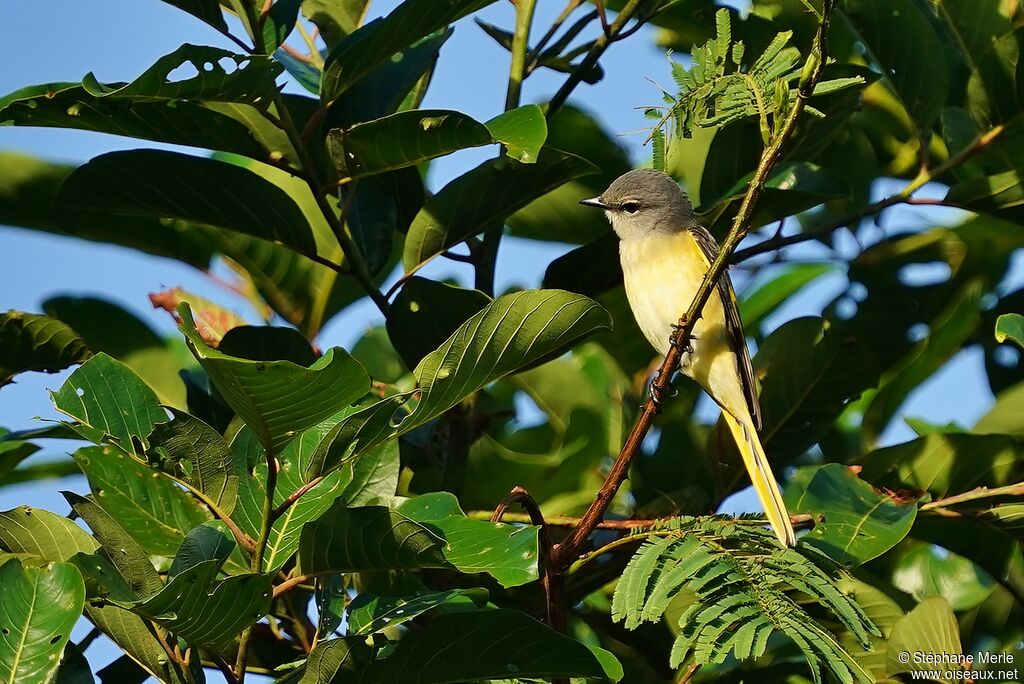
860,522
993,91
217,107
33,342
923,571
108,328
12,452
38,608
335,18
56,538
502,643
110,401
194,452
931,628
946,337
368,613
148,504
28,190
415,136
279,399
919,75
514,332
483,198
367,538
810,371
425,313
771,294
169,184
974,26
946,463
1006,417
363,49
506,552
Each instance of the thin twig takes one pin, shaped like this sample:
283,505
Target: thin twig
609,36
291,583
295,496
904,196
799,520
568,550
974,495
224,667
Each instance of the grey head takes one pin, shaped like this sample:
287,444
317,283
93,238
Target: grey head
642,202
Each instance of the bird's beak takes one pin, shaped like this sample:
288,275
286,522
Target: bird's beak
594,202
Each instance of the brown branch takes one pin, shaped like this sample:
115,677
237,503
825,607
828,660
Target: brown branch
291,584
799,520
224,667
568,550
293,497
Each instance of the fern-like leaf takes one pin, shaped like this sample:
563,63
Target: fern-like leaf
739,587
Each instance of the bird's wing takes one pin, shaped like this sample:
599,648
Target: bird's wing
733,325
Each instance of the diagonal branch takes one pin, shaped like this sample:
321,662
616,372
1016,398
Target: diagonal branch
567,551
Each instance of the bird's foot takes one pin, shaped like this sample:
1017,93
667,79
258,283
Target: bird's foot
659,393
677,329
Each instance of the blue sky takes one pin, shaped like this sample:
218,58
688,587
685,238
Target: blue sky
117,39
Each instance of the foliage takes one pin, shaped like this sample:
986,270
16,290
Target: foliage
232,475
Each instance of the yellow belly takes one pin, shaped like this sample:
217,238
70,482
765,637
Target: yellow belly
662,274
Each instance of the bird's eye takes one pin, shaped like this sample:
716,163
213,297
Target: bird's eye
630,207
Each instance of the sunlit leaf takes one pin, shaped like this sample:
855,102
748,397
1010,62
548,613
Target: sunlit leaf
33,342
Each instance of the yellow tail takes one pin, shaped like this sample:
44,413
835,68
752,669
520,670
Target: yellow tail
761,476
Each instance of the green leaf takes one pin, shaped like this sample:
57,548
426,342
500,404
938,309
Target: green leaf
506,552
12,452
810,372
207,10
33,530
513,332
483,198
32,342
219,107
923,571
771,294
415,136
148,504
106,327
368,613
860,522
522,131
119,547
279,399
918,76
930,628
425,313
192,451
367,538
279,23
948,334
993,91
1000,194
1007,416
1010,327
28,189
38,608
946,463
190,189
335,18
973,26
110,401
503,642
360,51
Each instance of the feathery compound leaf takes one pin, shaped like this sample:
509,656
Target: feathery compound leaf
738,588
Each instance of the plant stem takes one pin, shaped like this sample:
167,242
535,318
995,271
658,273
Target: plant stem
568,550
974,495
487,256
799,519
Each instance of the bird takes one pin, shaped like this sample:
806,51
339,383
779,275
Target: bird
665,253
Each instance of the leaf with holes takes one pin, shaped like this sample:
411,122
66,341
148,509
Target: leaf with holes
860,522
173,185
279,399
148,504
192,451
33,342
110,402
483,198
363,49
514,332
38,608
